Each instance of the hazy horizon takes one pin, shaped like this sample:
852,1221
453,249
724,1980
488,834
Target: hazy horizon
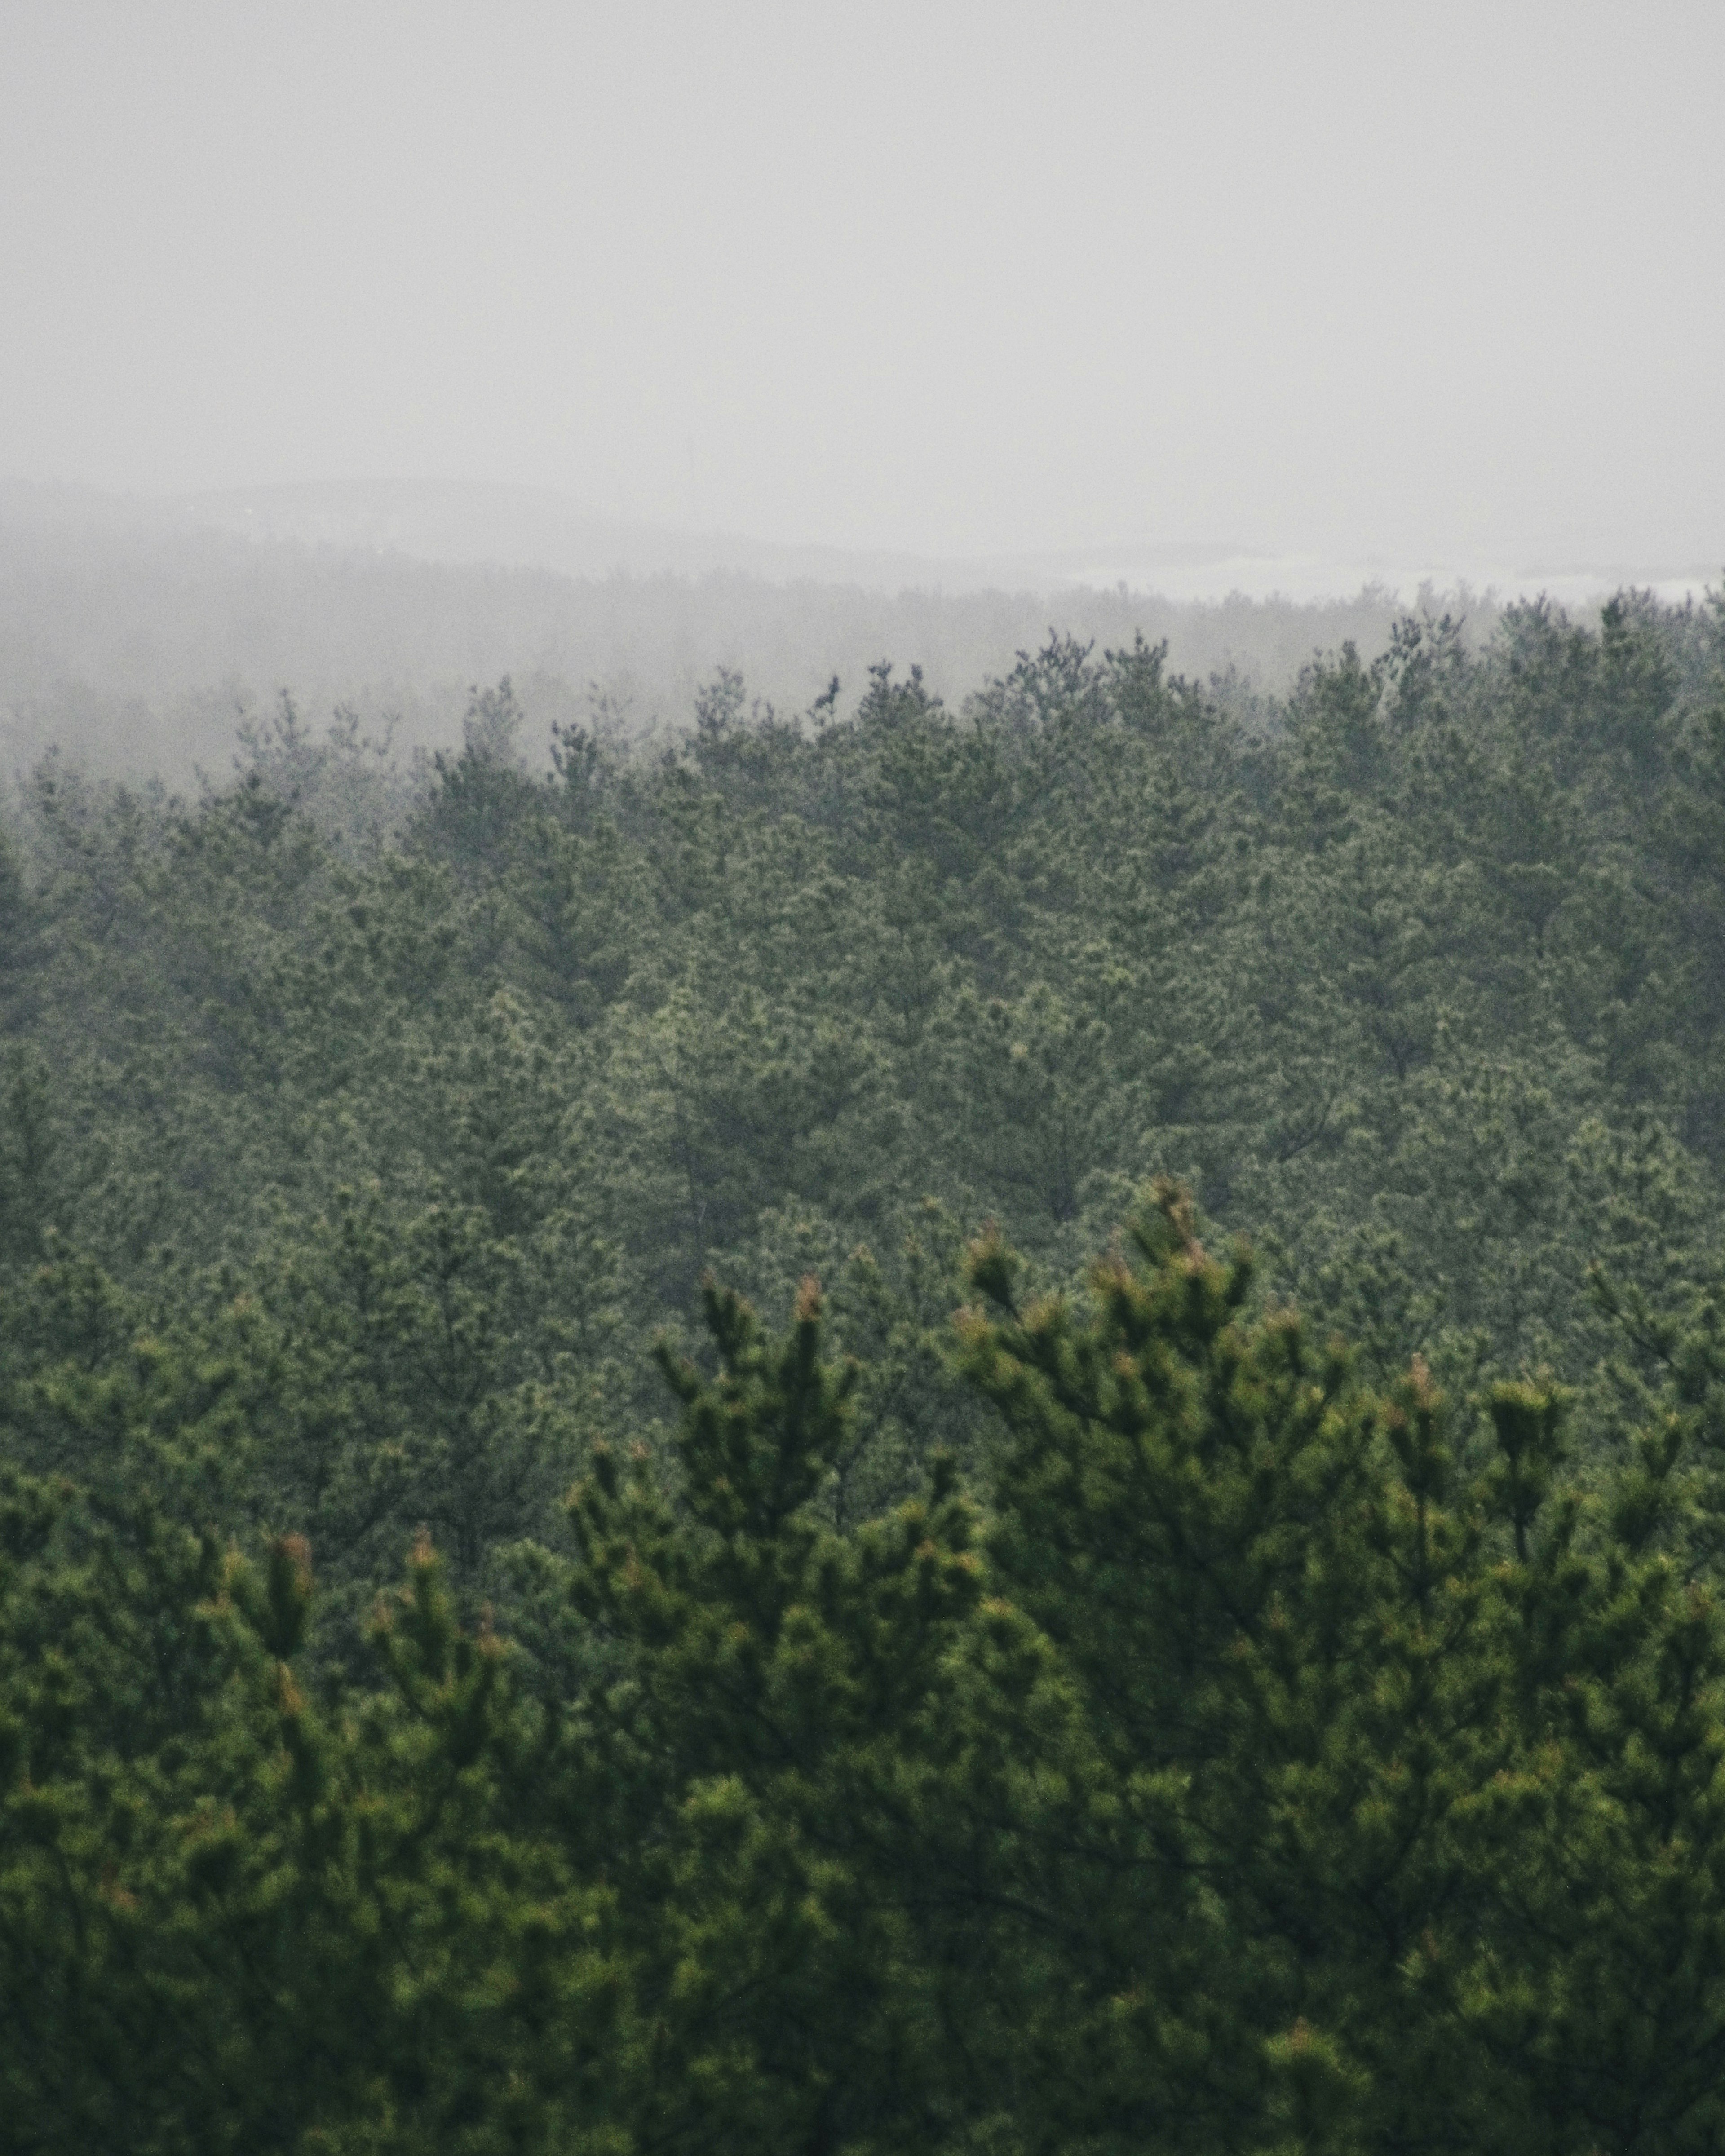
493,524
1320,286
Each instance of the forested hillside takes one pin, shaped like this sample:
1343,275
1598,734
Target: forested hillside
986,1429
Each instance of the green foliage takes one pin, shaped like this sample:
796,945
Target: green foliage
1131,1717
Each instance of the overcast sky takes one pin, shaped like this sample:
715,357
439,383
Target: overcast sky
1418,281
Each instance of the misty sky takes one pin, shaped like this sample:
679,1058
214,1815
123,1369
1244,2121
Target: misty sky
1441,282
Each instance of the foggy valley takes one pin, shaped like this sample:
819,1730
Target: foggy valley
135,633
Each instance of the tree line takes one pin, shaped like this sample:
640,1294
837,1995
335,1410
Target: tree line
970,1431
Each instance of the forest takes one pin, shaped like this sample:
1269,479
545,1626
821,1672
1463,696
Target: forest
991,1427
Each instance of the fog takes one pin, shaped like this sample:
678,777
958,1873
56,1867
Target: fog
138,634
1199,300
952,278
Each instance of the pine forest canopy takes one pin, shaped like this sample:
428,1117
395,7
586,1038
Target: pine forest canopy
981,1428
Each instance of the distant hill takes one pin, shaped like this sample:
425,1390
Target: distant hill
536,527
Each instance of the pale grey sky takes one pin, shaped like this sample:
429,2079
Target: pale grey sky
1441,282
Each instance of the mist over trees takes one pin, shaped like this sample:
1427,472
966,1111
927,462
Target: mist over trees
133,634
985,1422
